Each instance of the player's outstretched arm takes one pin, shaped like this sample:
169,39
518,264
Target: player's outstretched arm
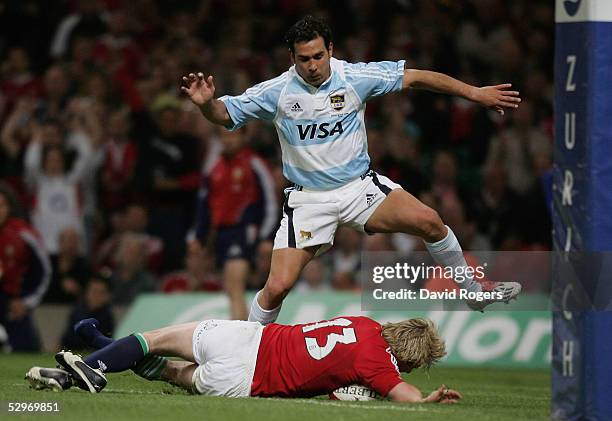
407,393
201,91
498,97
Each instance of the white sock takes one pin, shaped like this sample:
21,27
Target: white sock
447,252
258,314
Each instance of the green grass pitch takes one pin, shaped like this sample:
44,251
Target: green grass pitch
489,394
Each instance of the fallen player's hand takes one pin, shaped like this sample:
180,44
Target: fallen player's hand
200,90
498,97
443,395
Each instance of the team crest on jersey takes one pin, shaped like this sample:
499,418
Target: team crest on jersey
337,101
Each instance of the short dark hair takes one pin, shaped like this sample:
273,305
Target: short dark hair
307,29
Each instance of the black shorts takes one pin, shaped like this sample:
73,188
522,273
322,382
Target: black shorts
235,242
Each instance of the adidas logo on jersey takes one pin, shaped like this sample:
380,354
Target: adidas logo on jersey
296,107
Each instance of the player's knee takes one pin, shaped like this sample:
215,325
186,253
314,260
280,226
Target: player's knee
430,225
276,289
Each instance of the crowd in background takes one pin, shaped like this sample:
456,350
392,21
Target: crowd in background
102,153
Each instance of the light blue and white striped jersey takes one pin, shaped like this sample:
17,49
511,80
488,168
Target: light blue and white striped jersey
321,130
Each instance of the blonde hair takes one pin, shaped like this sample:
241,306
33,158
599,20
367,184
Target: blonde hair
415,341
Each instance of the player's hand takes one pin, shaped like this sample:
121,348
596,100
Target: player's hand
200,90
498,97
443,395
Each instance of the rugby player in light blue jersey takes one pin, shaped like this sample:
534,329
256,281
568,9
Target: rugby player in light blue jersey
318,109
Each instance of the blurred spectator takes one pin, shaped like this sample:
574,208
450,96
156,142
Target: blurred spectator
120,156
95,303
402,160
117,48
444,183
454,214
496,207
173,164
70,269
313,277
16,78
24,276
198,275
137,221
55,188
86,20
346,258
133,219
15,136
481,32
517,147
263,256
107,249
55,94
237,209
130,277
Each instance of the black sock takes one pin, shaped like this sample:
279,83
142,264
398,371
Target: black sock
101,341
120,355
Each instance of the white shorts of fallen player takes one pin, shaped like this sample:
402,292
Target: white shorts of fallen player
226,354
311,217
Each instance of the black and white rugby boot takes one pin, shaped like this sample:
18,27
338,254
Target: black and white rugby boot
55,379
87,378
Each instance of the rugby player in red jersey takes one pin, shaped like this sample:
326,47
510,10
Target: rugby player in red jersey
240,358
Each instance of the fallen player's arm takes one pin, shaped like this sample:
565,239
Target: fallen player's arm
497,97
404,392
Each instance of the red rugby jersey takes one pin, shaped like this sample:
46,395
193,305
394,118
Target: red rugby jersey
317,358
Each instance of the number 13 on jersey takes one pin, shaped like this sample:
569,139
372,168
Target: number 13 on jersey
319,352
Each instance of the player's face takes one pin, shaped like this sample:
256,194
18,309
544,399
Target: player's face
231,141
311,60
54,163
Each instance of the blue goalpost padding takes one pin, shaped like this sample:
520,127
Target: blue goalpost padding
582,211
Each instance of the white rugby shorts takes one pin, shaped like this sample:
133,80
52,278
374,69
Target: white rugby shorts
311,217
226,354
